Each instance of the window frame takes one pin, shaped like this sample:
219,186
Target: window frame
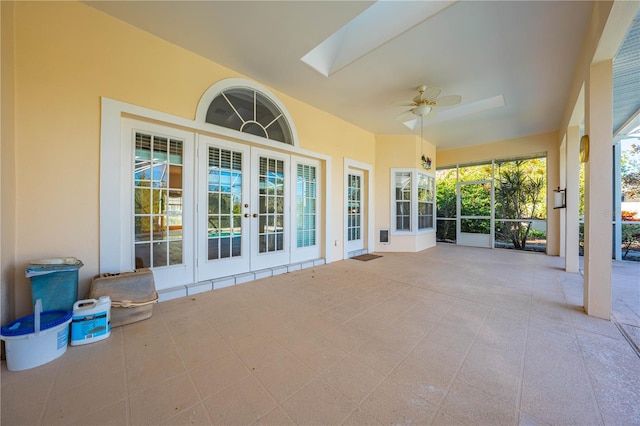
414,218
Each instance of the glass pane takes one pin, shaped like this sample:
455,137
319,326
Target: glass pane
158,201
175,177
446,231
142,201
143,146
160,228
475,226
521,235
159,254
143,228
214,226
475,199
160,149
175,151
175,226
225,247
175,252
520,191
213,250
477,172
142,172
446,198
214,203
143,255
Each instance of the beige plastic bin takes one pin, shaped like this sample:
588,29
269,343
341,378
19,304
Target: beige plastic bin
132,295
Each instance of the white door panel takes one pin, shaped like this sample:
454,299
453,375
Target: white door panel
269,209
223,213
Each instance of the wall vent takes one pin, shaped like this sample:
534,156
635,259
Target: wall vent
383,236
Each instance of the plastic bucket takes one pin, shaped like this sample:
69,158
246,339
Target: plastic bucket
26,347
55,282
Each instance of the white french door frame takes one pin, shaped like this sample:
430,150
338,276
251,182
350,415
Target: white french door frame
367,188
164,276
115,225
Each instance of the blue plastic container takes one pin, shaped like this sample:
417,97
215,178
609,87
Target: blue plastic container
55,282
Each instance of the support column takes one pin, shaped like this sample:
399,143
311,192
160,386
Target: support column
617,201
598,191
572,239
563,212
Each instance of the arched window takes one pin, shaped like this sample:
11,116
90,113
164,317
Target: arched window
249,110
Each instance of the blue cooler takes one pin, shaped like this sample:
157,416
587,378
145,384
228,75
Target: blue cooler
55,282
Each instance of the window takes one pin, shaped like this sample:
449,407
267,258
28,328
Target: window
426,191
413,200
306,206
249,111
403,201
158,201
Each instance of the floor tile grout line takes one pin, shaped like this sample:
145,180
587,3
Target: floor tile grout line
186,370
252,373
523,359
49,397
584,363
457,373
127,403
358,405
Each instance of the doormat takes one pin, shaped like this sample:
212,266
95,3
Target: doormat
366,257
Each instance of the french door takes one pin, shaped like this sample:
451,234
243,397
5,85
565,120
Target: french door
243,208
196,208
354,211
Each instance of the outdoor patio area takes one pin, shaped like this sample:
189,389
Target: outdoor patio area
447,336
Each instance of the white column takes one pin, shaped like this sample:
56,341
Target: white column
572,240
598,191
563,212
617,201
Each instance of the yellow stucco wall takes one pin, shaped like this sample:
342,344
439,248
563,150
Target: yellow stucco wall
67,56
7,161
394,151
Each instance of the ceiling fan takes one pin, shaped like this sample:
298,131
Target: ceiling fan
426,103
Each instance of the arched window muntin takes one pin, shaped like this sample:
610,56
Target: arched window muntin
247,107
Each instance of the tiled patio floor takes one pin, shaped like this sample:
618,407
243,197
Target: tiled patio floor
449,336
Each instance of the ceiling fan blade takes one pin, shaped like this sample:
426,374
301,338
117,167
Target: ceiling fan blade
448,100
405,116
432,93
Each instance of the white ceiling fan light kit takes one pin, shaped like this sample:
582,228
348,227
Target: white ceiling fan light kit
427,102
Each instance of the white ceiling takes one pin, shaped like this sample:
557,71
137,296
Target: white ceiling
525,51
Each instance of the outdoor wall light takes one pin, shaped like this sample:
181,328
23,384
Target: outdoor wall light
559,198
584,148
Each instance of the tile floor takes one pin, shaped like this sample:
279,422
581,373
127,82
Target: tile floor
448,336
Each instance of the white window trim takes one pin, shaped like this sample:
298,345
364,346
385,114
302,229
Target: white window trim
414,202
229,83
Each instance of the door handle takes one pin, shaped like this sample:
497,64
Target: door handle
255,215
246,215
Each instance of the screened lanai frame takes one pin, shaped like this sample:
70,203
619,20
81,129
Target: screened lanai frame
450,215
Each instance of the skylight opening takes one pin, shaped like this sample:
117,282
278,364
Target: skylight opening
380,23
